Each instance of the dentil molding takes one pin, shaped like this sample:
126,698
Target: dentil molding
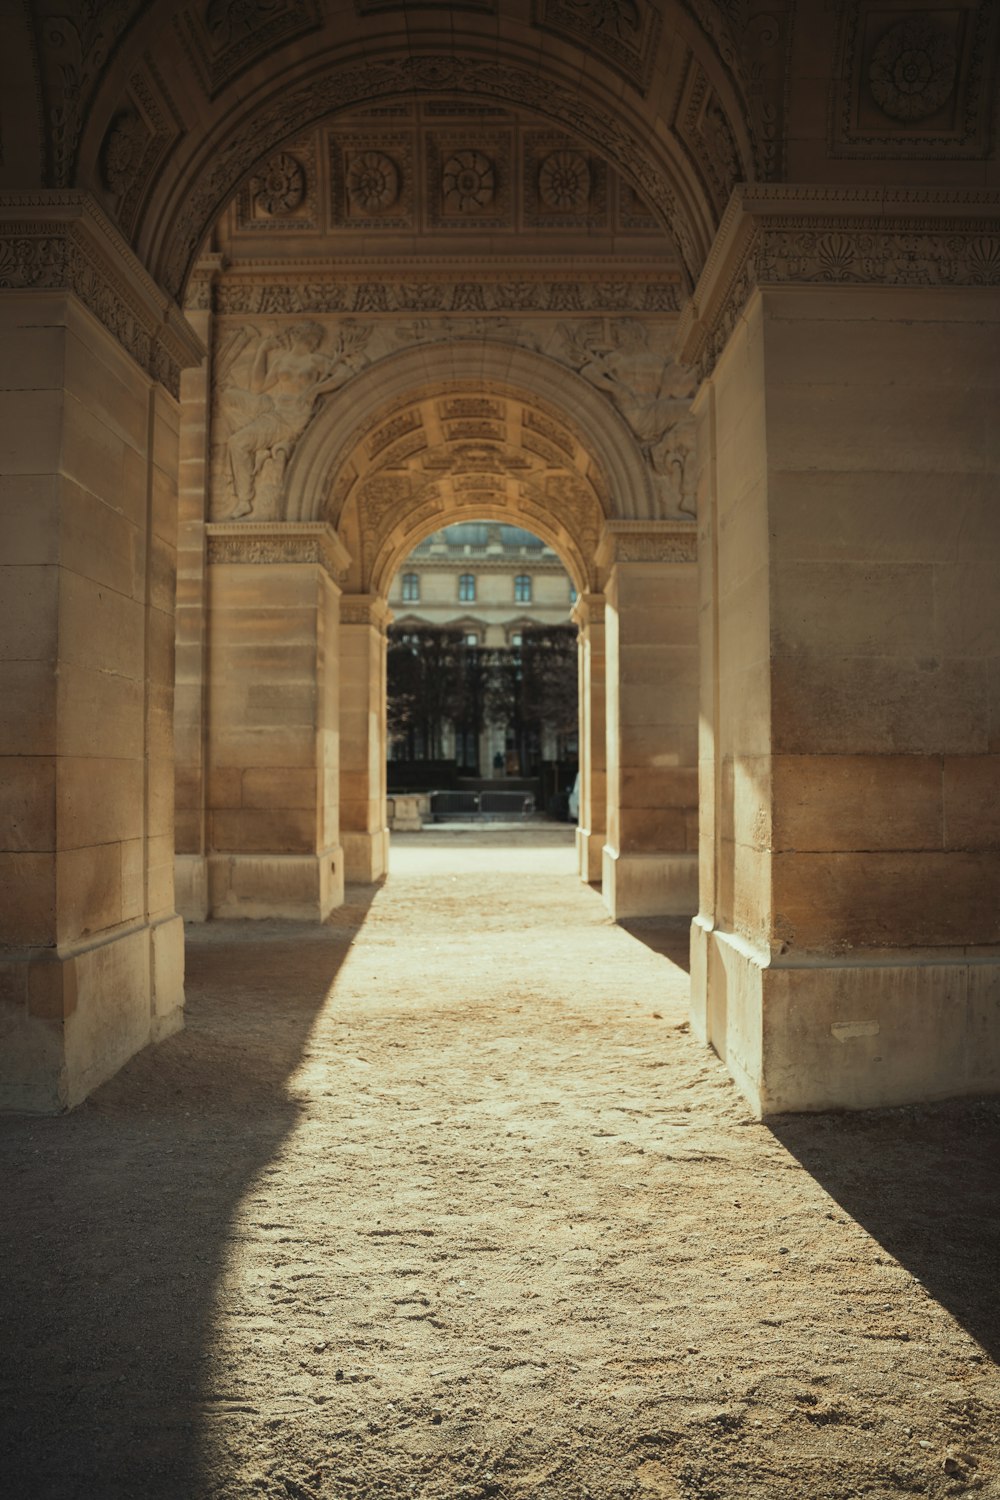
62,242
775,235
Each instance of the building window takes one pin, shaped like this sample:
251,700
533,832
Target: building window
522,589
517,639
467,588
411,588
572,594
471,638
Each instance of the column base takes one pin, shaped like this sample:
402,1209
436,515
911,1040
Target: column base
847,1034
366,856
70,1020
590,855
649,885
191,887
299,887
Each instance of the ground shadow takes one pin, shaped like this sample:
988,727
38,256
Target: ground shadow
116,1221
925,1182
670,937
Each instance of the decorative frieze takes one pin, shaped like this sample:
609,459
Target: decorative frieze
647,541
61,241
433,288
832,236
279,542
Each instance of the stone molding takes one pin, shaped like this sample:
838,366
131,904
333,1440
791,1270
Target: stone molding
647,541
278,542
62,242
365,609
200,293
837,236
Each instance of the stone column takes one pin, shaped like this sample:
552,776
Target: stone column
650,858
588,615
91,950
364,828
190,690
273,720
845,953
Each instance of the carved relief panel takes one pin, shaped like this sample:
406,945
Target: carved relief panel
622,33
224,37
372,179
469,180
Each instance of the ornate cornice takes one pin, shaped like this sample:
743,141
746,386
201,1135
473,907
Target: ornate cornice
62,242
365,609
647,541
279,542
774,235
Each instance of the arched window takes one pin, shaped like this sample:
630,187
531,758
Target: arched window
411,588
467,587
522,589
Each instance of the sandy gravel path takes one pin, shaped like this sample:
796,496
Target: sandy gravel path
442,1200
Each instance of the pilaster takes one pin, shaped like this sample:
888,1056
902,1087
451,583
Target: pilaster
365,619
91,948
845,952
591,832
650,853
273,720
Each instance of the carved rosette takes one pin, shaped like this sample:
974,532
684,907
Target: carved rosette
280,543
468,182
912,70
564,181
280,188
372,182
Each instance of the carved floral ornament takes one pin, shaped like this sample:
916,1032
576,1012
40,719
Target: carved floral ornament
564,181
280,188
468,181
373,182
912,71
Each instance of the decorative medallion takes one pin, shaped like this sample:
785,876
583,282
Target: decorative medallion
912,70
372,182
564,181
280,188
469,182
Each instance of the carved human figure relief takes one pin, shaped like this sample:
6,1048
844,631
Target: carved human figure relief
648,388
268,386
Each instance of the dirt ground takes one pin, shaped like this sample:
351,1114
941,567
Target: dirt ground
443,1200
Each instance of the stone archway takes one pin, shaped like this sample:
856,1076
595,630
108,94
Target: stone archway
849,644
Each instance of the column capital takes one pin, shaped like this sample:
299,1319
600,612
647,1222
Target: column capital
278,542
776,235
647,542
588,610
365,609
62,242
